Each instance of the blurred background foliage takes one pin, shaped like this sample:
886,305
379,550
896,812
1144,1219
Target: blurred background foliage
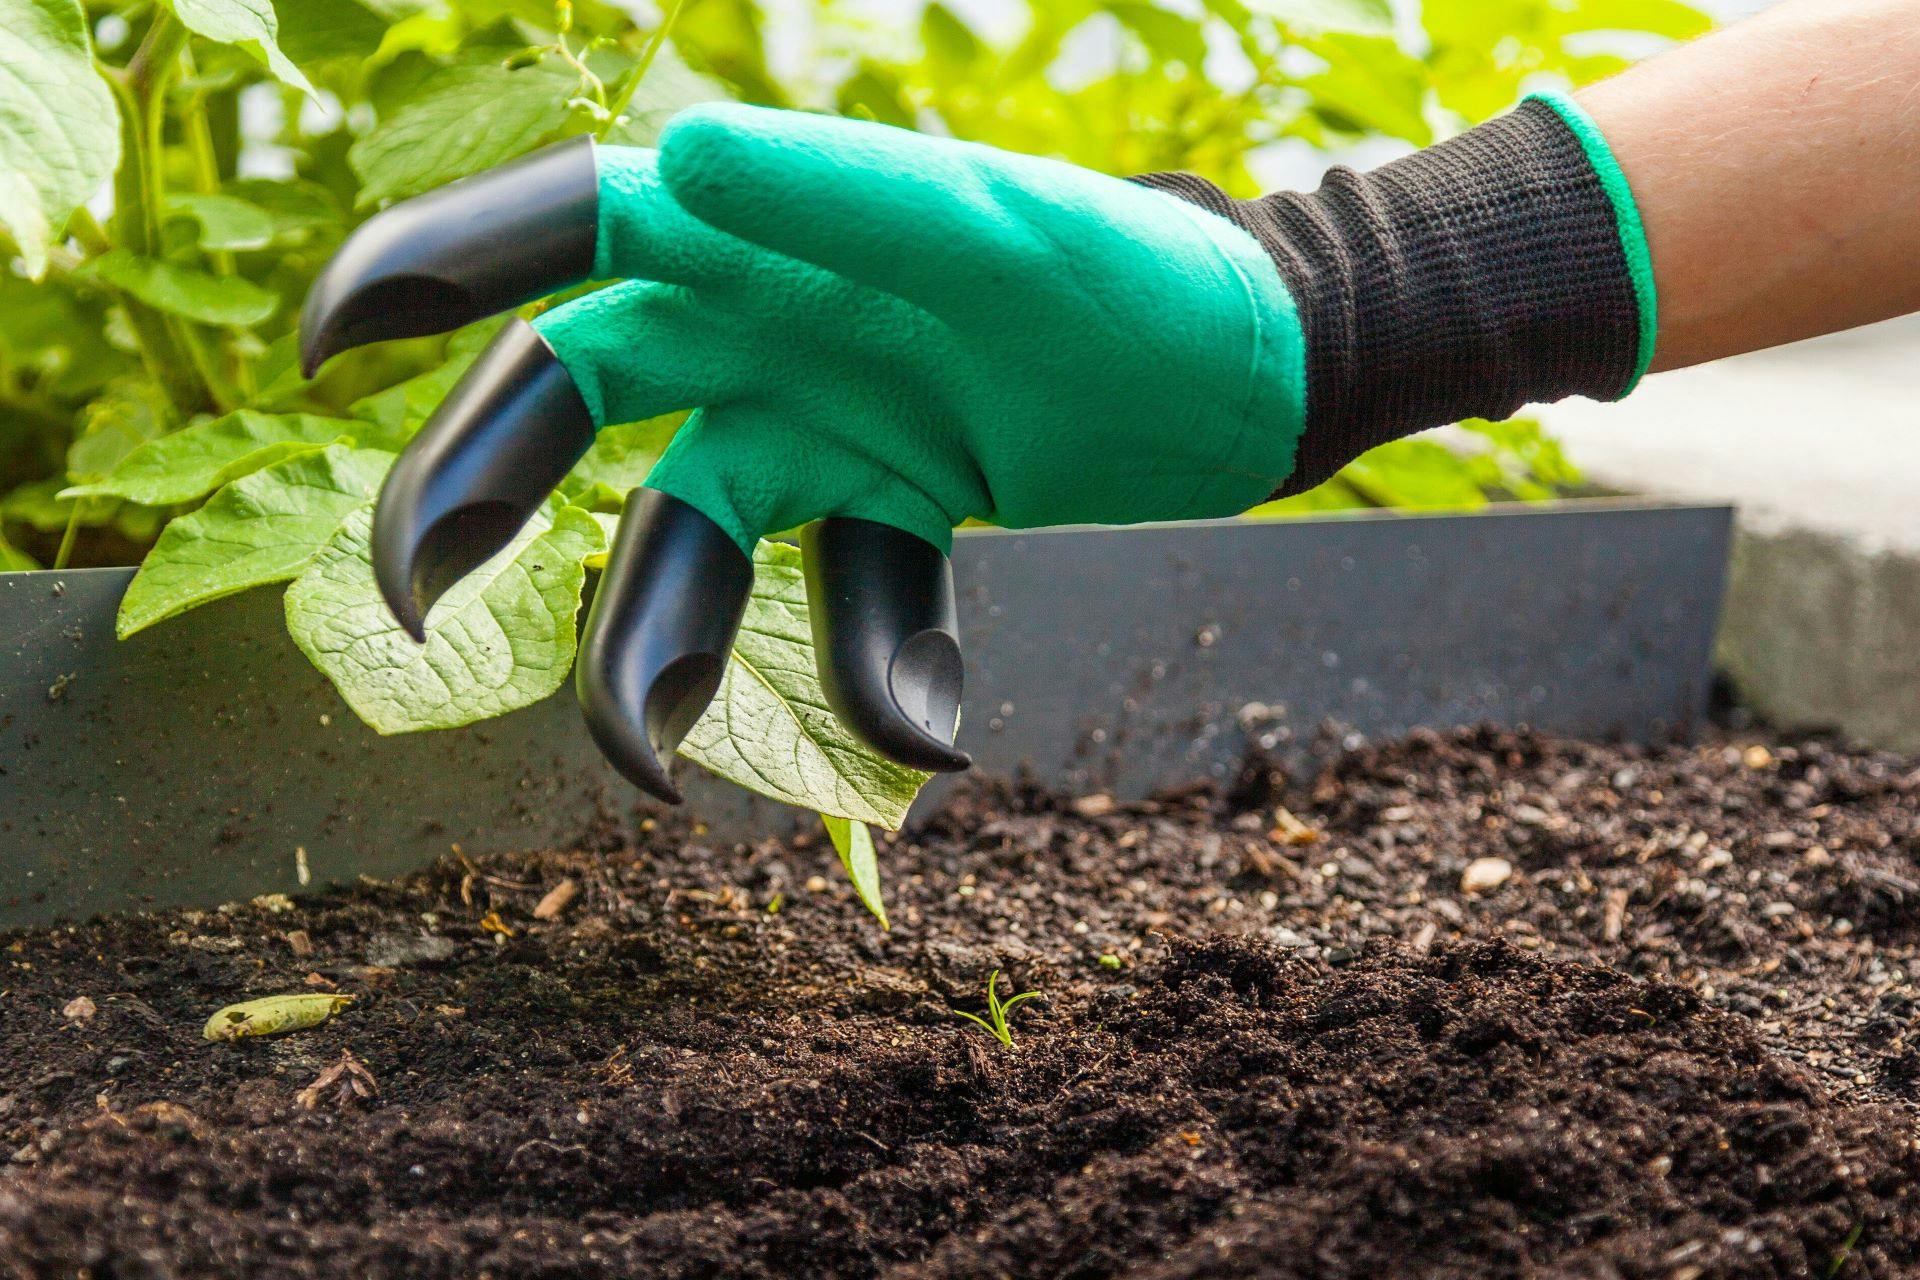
234,148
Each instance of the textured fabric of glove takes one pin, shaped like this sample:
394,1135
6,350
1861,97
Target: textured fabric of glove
1503,267
870,322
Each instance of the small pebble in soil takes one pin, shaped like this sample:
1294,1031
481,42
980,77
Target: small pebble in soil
1484,875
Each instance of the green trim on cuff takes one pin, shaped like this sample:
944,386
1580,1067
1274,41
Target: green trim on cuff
1633,234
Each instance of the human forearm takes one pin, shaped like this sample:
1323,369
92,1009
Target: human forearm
1776,166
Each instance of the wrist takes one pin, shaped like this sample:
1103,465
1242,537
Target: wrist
1502,267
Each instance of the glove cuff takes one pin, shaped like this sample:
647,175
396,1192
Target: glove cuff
1502,267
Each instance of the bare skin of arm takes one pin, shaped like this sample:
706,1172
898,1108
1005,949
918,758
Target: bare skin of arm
1776,165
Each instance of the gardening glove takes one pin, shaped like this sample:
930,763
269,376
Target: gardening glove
883,334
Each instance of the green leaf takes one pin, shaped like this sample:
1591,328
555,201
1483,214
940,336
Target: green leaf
952,48
183,291
245,24
193,462
1416,474
261,528
319,30
501,639
124,417
1370,84
461,120
296,208
397,412
1169,36
769,728
874,94
34,505
225,222
1668,18
854,843
59,128
619,461
1366,17
13,559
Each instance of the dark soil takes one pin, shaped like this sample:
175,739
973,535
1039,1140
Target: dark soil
1678,1041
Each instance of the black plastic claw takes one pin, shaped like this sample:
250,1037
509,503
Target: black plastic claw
885,638
483,464
469,250
657,638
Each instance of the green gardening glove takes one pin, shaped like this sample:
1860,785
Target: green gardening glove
917,331
882,334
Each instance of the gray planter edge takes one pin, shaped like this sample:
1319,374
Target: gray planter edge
205,761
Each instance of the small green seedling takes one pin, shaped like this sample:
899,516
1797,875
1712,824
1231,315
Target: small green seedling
995,1023
1846,1249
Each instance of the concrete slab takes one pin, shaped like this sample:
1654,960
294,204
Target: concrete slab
1818,444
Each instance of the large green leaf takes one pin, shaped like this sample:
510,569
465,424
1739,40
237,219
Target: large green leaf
317,30
1668,18
854,843
459,121
183,291
120,420
262,528
191,463
298,209
394,414
59,129
1369,17
226,222
1370,83
245,24
619,461
501,639
770,729
1169,36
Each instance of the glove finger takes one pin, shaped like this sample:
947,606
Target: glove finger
879,586
756,471
645,234
919,217
640,349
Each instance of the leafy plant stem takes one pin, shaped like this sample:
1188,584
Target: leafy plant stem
88,233
230,377
630,84
140,90
588,80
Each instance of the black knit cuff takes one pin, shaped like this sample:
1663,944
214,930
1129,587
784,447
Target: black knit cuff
1466,280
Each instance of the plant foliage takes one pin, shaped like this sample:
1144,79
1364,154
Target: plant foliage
173,173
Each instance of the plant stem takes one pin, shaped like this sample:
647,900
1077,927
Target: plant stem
67,538
631,82
141,92
86,229
224,370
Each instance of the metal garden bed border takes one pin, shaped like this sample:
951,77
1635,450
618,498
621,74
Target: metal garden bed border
205,761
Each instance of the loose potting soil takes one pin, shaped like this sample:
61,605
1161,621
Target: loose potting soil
1481,1005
